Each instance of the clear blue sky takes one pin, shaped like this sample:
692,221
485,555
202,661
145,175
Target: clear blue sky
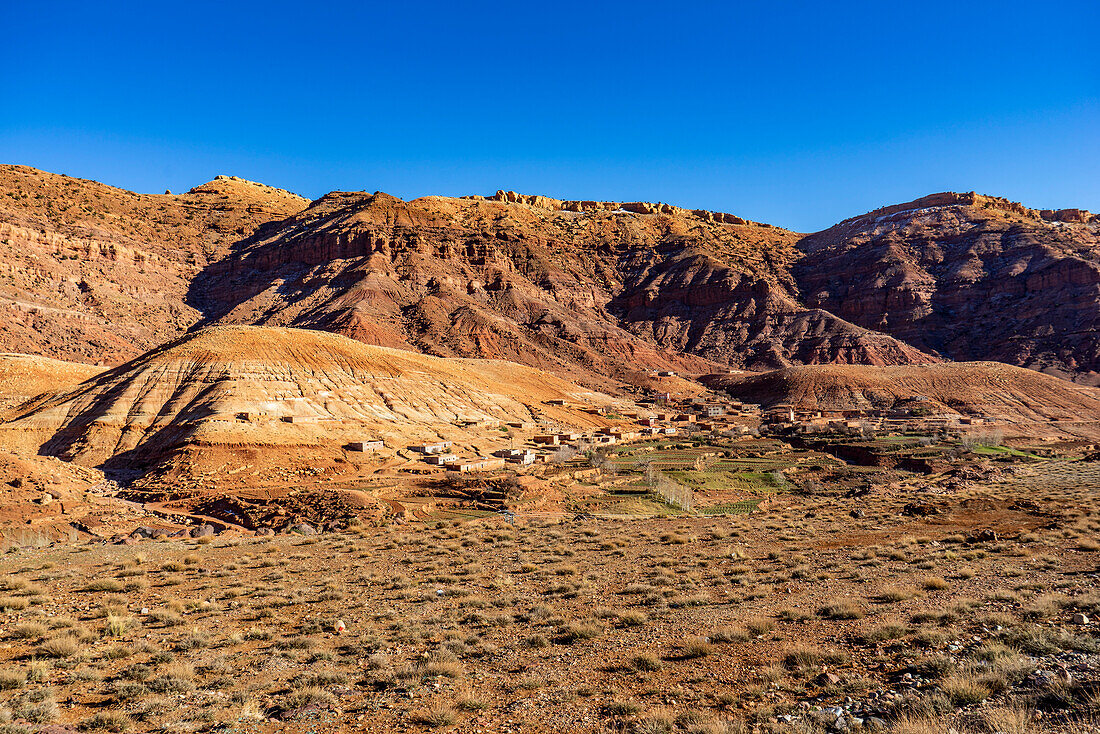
800,114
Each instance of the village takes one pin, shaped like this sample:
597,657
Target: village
659,415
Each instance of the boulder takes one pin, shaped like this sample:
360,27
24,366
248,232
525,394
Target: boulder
202,531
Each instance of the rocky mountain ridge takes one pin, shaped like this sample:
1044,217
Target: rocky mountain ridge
593,291
589,291
967,277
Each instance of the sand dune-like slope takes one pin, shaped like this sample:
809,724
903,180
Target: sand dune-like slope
989,388
277,387
26,376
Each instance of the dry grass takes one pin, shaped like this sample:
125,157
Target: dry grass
456,624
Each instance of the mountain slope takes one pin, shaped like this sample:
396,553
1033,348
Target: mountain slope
587,289
967,277
595,291
232,389
27,376
97,274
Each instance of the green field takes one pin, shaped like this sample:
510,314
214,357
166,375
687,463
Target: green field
730,508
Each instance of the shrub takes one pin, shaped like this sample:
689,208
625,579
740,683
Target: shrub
28,631
469,702
114,721
116,626
574,631
10,679
759,625
59,647
729,634
885,632
698,647
438,715
13,604
103,585
310,695
895,594
935,583
841,610
622,708
806,656
655,722
964,690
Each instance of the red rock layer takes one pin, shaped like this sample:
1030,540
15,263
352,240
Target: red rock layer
967,277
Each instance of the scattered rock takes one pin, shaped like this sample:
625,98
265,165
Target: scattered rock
1081,619
202,531
920,509
982,536
298,713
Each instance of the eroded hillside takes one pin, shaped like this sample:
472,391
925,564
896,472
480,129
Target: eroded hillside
96,274
594,291
588,289
967,277
247,399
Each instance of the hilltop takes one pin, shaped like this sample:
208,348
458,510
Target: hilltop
26,376
967,277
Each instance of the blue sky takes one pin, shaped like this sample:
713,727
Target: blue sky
799,114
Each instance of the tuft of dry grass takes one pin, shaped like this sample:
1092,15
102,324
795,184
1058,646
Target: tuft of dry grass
935,583
696,647
64,646
438,715
841,610
113,721
10,679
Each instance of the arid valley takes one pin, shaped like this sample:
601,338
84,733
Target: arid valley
514,463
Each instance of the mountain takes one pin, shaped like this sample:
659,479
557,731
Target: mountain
596,292
1013,394
586,289
92,273
967,277
259,399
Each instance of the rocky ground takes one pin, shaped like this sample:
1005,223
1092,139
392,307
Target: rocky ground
978,617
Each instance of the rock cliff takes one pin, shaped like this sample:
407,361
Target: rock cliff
967,277
587,289
591,290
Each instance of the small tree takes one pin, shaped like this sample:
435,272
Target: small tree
704,462
563,454
673,493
